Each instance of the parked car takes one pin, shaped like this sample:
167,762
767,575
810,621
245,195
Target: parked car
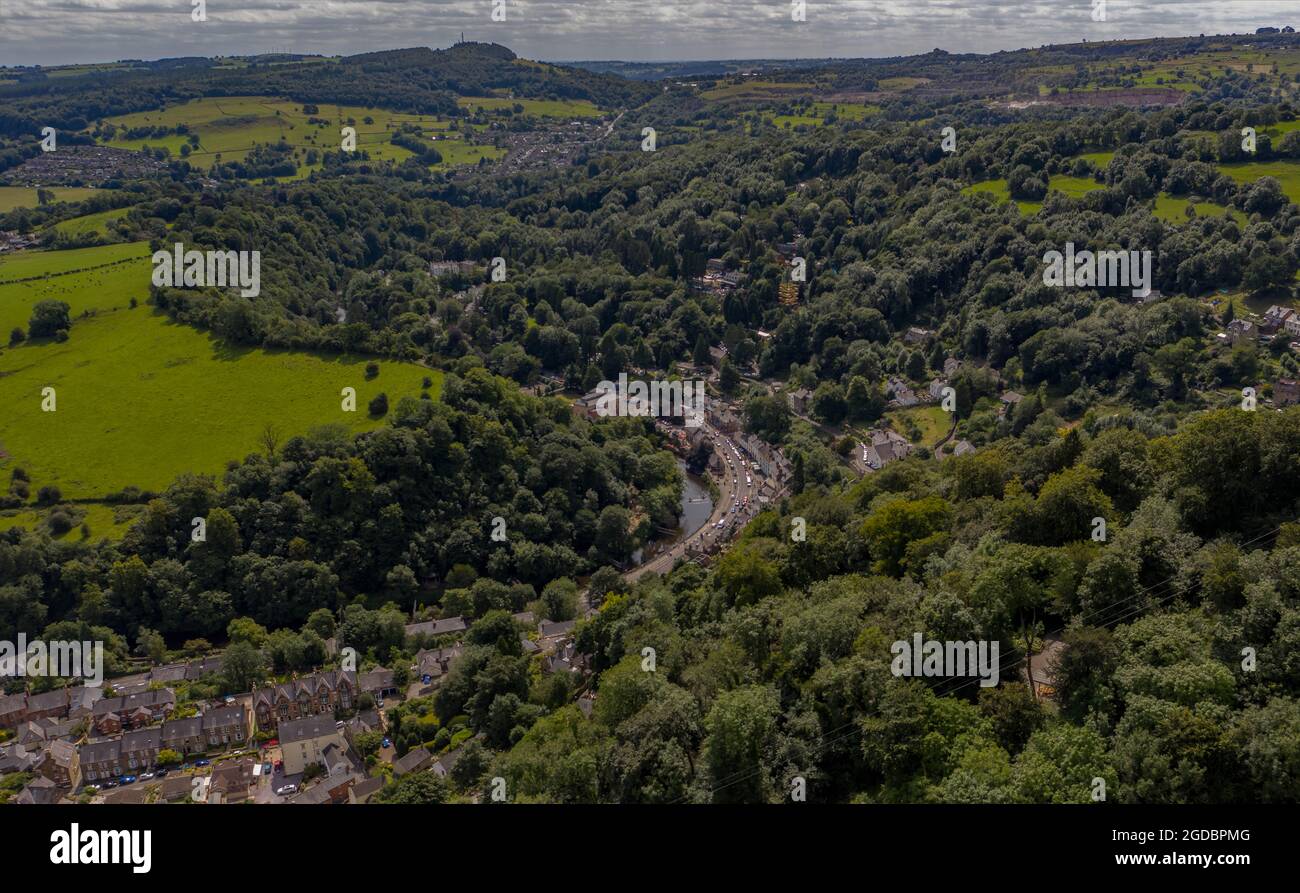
279,764
162,773
286,789
110,783
146,776
128,779
202,763
386,743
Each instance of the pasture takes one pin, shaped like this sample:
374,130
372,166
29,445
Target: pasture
141,399
229,127
1075,187
1172,209
540,108
89,223
86,279
14,197
1286,172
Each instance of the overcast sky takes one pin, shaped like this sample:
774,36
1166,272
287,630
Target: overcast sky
54,32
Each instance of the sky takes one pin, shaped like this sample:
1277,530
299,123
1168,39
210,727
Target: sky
57,32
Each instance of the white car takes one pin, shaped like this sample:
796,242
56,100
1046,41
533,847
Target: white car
286,789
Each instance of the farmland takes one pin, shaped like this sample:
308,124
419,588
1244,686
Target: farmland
12,197
1172,209
103,520
89,223
142,399
1287,174
816,114
229,127
541,108
87,279
1075,187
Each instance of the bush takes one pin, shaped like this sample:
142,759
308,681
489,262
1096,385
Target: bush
60,521
48,495
16,337
49,318
372,369
379,405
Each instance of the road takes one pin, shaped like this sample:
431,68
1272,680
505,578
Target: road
737,503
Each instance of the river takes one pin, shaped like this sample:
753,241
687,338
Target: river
696,506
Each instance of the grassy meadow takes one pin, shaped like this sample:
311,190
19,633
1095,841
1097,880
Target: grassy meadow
228,127
15,197
89,223
142,399
1286,172
540,108
106,278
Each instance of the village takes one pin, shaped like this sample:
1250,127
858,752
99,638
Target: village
76,165
321,738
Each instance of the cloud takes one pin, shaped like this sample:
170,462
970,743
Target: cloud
51,32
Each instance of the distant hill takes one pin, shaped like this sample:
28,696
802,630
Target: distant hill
418,80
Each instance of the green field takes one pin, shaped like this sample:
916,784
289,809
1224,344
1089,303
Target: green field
229,127
89,223
998,189
817,114
107,521
109,276
756,89
1174,210
1099,160
541,108
13,197
1287,174
1075,187
932,421
902,83
142,399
